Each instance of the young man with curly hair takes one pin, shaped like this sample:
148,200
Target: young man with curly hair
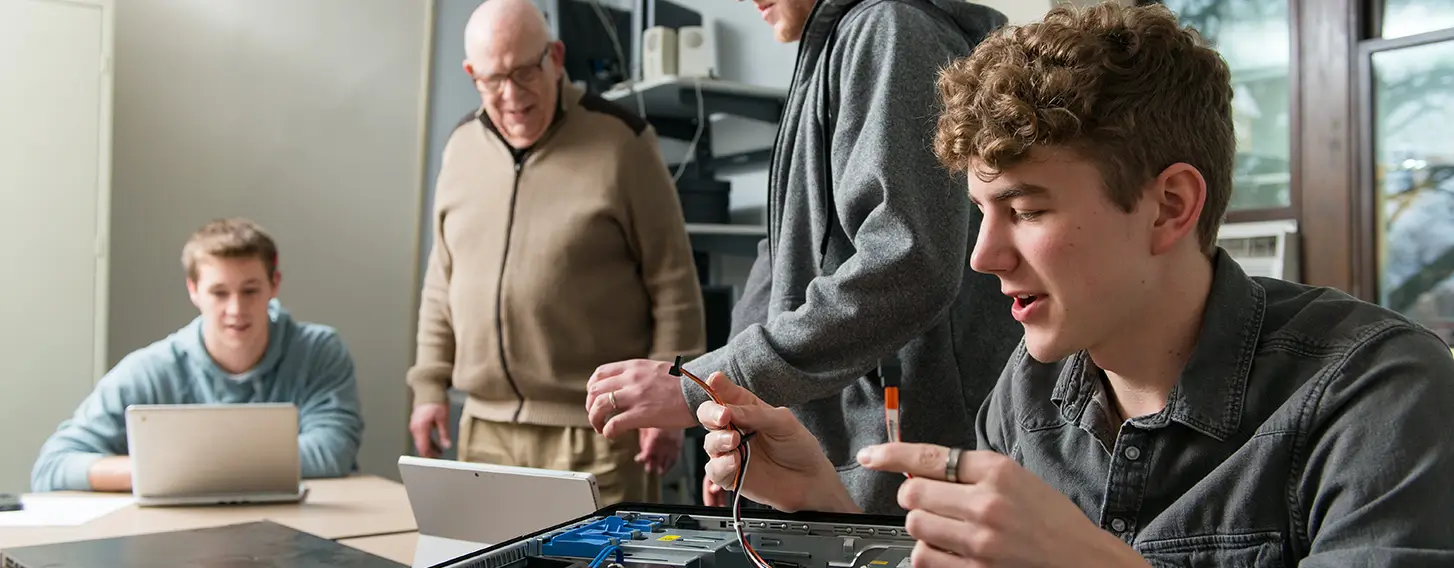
1163,408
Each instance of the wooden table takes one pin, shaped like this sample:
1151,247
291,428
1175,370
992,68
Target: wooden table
349,507
397,547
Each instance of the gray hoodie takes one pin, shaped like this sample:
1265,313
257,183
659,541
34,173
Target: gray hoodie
865,264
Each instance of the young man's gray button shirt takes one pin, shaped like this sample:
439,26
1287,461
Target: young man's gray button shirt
1307,427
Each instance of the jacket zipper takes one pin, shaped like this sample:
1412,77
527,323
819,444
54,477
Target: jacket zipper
500,292
505,255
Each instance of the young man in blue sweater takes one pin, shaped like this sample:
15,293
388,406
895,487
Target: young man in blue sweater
243,348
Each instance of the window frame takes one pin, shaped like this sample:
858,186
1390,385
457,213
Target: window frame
1365,252
1293,209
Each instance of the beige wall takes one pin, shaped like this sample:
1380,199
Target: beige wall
304,116
55,122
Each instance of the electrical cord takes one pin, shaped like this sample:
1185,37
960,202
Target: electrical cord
744,454
744,449
701,126
605,553
620,53
641,103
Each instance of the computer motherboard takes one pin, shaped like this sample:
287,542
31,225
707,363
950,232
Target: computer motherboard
650,538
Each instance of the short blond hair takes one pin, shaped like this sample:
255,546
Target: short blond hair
230,238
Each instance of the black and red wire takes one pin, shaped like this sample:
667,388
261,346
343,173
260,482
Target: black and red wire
744,449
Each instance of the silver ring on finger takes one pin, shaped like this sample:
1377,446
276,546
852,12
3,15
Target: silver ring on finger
612,397
951,465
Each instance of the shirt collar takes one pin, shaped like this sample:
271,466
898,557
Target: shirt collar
1210,394
569,97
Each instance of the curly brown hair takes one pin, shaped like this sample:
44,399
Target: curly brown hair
1125,87
230,238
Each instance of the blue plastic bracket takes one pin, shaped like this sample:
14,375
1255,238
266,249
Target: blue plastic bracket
589,540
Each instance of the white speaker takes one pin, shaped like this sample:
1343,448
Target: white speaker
658,53
696,52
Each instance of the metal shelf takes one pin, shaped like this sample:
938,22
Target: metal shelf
676,98
723,238
726,229
672,105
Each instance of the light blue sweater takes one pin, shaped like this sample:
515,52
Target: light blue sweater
305,364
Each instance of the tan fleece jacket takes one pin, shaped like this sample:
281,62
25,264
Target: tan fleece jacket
544,268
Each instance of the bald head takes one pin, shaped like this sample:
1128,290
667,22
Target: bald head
499,25
516,68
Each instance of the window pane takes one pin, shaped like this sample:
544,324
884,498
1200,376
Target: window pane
1255,38
1414,176
1409,17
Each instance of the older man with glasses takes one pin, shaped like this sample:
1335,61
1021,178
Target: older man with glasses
559,245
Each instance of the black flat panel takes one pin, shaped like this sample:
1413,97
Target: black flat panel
250,545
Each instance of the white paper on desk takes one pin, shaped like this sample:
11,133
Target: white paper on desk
43,510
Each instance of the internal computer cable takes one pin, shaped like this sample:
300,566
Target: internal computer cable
744,450
744,454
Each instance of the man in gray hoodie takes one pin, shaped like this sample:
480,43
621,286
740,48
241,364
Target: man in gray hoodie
864,269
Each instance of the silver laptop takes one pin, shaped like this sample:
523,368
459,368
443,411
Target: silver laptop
210,454
462,507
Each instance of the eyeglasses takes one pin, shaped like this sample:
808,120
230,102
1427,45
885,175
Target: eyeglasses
523,76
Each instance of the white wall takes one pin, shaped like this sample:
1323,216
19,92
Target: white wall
55,119
305,117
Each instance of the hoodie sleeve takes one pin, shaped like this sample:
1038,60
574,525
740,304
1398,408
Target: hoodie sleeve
330,426
907,218
98,427
750,309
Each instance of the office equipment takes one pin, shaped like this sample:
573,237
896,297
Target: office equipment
683,109
460,507
598,38
696,52
605,43
658,53
1263,248
642,535
261,543
10,502
204,454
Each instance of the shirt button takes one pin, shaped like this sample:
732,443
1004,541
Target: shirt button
1118,525
1133,453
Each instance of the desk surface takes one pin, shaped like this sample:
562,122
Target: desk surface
347,507
397,547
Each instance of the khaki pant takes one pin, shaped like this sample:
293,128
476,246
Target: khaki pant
618,476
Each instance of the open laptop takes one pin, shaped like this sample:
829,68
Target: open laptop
211,454
462,507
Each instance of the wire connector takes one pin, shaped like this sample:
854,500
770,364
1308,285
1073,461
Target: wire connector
890,386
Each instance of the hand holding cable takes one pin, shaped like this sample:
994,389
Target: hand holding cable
788,470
